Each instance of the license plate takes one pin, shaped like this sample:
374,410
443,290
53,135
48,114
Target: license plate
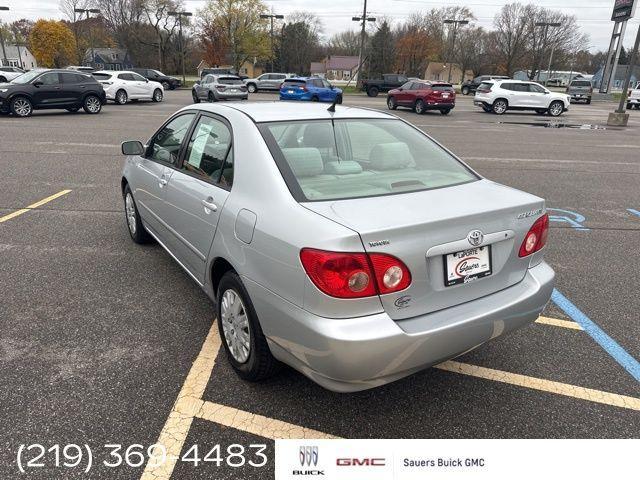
289,91
445,95
234,90
467,266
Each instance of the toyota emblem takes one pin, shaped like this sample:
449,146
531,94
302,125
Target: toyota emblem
475,237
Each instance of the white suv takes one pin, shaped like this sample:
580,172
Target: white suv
498,96
122,86
634,98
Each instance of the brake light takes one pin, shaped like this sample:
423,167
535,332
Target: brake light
354,275
221,88
484,90
536,237
304,89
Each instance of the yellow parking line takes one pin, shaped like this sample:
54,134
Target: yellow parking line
39,203
256,424
559,323
534,383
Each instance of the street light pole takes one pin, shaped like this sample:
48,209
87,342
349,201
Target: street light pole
546,26
180,15
364,18
4,52
271,17
453,43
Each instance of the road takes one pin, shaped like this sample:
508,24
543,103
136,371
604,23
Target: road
98,336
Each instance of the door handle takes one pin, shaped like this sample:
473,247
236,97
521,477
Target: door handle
210,205
162,182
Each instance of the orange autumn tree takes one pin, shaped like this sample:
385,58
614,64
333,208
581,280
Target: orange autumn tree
52,43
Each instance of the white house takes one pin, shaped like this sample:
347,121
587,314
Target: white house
17,56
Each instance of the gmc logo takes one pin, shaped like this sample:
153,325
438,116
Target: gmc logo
360,462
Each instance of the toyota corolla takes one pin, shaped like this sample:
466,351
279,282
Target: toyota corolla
343,242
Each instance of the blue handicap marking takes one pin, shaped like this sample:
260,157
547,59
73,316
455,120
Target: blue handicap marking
633,212
567,216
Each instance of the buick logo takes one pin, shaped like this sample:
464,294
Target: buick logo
308,456
475,237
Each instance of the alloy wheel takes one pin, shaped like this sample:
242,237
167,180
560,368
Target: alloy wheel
22,107
121,97
157,96
391,103
419,107
93,104
499,107
235,326
556,109
130,211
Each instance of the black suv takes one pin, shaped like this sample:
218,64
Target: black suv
169,83
45,89
470,86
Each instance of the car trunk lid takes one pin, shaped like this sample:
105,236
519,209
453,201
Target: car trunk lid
421,228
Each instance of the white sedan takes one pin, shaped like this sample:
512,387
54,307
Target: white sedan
7,74
123,86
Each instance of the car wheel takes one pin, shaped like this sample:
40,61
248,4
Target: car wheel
588,101
391,103
373,91
3,80
419,107
121,97
242,337
166,85
252,88
556,109
445,111
92,104
500,106
541,111
465,90
157,95
194,95
315,99
134,222
486,109
339,99
21,107
72,110
211,97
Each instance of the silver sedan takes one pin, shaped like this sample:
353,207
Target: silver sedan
343,242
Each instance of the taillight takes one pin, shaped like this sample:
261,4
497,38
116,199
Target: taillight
304,89
536,237
354,275
220,87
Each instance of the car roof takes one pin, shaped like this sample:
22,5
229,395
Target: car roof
114,72
289,111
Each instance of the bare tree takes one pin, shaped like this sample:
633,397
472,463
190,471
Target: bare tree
165,26
512,35
344,43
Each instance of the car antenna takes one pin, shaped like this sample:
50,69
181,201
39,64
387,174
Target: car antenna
332,108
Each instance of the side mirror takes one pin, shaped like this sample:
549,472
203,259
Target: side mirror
197,82
37,83
132,147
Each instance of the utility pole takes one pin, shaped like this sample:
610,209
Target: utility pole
627,80
364,18
271,16
546,26
4,52
89,11
180,15
453,43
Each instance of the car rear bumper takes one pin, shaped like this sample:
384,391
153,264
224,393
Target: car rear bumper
439,105
348,355
231,96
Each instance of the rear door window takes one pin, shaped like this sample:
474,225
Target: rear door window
209,154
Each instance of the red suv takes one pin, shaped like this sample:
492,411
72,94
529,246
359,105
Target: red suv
421,95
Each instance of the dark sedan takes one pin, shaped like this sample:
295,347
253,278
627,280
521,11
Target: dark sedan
168,83
47,89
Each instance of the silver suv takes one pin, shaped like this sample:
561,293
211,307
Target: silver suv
213,88
267,81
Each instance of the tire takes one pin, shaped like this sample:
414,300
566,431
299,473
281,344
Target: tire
419,107
500,106
72,110
588,101
486,109
465,91
445,111
541,111
373,91
251,88
391,103
194,95
166,85
157,95
134,223
629,106
121,97
249,354
21,106
339,99
315,99
556,108
211,97
3,80
92,104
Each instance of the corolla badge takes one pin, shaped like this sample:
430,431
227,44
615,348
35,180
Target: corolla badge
475,237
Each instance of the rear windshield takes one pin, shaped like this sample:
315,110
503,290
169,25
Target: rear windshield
230,81
485,86
582,83
101,76
342,159
294,82
442,88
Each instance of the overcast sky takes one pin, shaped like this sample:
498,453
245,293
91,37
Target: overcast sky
593,15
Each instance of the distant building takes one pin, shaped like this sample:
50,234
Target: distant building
248,69
621,75
336,67
440,72
17,56
108,58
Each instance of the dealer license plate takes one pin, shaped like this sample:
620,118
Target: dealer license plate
467,266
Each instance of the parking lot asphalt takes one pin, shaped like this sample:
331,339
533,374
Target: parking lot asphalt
98,336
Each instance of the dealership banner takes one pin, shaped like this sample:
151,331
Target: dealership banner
457,459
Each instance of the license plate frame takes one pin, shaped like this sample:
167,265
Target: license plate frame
452,277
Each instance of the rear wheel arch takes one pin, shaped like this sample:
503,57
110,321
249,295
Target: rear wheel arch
219,267
123,184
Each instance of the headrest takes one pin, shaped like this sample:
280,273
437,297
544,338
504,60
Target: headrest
390,156
318,135
305,162
343,167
